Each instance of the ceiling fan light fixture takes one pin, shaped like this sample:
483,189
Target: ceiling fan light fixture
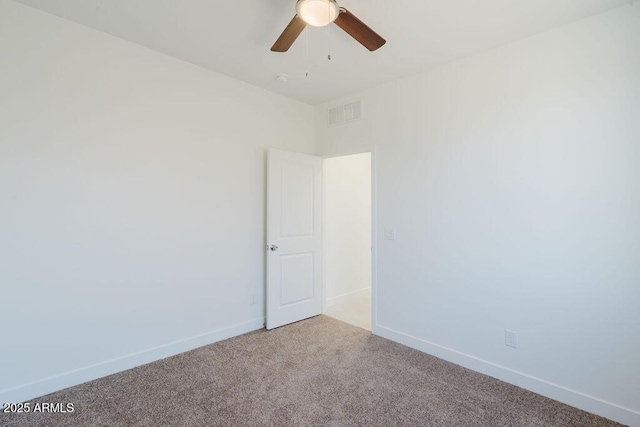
318,13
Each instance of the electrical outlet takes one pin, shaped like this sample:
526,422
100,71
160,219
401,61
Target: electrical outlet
253,297
510,338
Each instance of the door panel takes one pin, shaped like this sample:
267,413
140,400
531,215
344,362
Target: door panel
296,278
294,236
297,200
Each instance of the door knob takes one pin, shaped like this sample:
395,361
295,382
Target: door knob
273,248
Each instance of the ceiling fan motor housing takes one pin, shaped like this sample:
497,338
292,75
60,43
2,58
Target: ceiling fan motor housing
318,13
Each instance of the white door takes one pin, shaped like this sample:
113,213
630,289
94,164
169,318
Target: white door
294,237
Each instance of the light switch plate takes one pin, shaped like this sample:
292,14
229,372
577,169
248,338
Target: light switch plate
389,234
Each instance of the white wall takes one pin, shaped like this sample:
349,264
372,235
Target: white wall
132,202
512,179
347,211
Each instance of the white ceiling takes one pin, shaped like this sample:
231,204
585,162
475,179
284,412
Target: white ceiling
233,37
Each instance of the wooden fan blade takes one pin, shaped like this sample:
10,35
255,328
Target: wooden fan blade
289,35
359,30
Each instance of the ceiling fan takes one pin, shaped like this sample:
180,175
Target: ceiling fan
319,13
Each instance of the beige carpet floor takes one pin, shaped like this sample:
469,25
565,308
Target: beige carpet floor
316,372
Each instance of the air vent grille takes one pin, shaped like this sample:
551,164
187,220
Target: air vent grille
345,113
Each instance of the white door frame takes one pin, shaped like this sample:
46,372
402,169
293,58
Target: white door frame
374,239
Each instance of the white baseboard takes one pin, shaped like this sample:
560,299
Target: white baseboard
48,385
344,297
554,391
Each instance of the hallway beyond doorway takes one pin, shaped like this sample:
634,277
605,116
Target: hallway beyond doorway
354,309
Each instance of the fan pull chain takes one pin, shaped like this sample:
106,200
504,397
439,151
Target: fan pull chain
329,43
306,37
329,30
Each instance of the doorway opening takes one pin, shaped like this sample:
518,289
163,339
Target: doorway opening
348,239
